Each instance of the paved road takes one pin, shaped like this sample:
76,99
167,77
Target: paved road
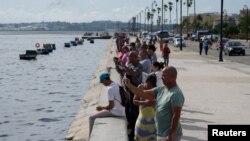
194,46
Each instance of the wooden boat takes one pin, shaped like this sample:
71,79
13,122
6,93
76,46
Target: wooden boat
79,42
73,43
50,47
67,45
42,51
29,55
91,41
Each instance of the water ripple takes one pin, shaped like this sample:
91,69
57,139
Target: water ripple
4,135
49,111
39,109
4,122
49,120
52,93
20,100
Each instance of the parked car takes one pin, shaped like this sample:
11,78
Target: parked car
164,35
171,39
224,41
234,47
177,42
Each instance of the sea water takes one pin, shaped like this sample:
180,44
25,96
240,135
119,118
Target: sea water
39,98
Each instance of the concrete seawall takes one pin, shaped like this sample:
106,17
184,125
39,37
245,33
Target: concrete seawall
96,95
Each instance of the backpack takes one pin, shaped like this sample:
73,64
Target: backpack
124,95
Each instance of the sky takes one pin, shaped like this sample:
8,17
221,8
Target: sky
19,11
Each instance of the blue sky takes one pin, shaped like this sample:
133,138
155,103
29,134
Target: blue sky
16,11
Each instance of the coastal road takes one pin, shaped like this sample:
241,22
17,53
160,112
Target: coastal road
194,46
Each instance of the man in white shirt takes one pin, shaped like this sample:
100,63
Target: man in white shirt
114,107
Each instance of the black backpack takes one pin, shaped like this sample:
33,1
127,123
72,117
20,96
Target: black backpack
124,95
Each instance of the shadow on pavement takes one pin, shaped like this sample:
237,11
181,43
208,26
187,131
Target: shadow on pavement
189,120
193,127
188,138
192,111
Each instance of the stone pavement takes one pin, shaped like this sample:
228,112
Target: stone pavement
215,92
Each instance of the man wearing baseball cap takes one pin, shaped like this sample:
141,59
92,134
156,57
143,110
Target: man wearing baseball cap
114,107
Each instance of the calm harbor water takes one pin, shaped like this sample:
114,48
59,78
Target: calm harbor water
39,99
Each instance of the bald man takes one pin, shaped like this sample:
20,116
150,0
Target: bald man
169,103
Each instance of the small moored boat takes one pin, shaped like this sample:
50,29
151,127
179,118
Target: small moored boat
67,45
91,41
42,51
29,55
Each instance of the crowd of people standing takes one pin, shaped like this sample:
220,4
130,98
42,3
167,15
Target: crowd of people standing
154,99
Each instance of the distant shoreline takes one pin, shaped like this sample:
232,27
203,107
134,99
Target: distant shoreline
44,32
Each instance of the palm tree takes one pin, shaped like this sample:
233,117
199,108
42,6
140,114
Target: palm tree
148,18
188,4
170,6
165,9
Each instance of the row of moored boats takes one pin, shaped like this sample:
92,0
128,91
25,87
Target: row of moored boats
78,41
32,54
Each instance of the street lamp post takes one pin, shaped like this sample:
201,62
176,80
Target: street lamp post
145,18
177,14
137,23
181,24
221,33
158,18
245,6
140,21
195,17
162,6
152,14
170,6
165,9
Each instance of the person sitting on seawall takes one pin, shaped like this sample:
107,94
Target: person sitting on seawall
114,108
145,129
169,103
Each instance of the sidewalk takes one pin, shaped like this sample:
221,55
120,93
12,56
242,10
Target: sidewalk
215,92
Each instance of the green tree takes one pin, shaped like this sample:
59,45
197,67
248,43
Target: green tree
229,30
243,24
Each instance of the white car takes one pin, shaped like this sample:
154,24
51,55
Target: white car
177,42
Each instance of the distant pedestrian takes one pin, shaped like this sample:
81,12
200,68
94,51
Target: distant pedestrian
205,44
165,53
114,107
200,46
